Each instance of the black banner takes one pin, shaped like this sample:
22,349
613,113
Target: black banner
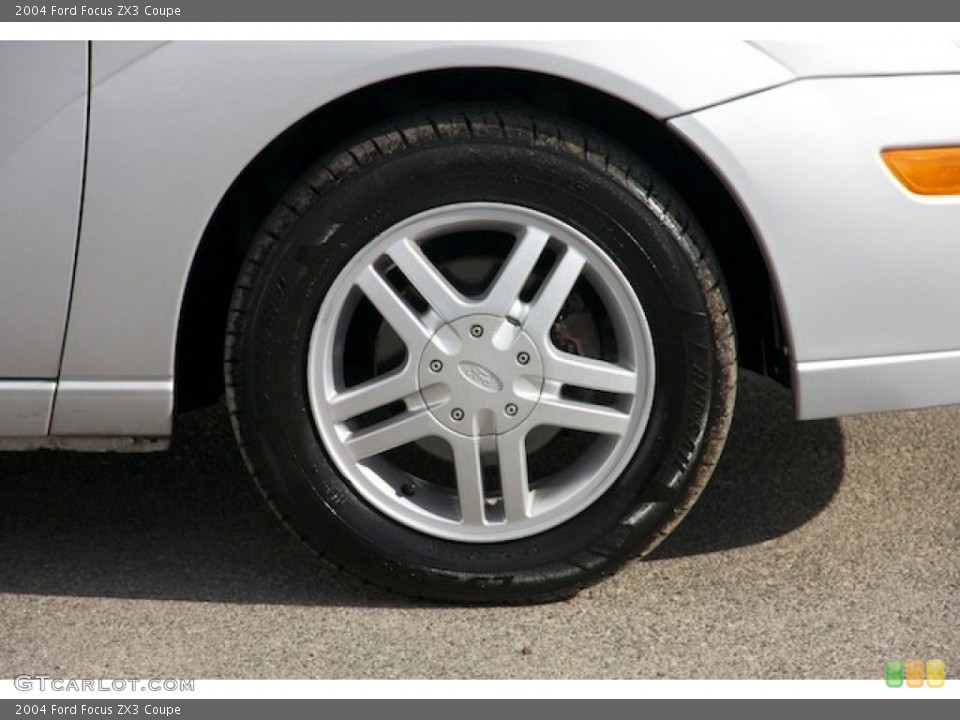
490,10
435,709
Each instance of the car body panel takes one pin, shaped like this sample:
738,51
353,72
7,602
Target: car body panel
172,126
905,56
42,124
42,127
25,407
112,57
865,272
898,382
868,273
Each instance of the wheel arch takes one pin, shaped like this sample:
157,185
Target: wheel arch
262,183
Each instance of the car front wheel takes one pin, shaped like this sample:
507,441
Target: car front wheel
481,356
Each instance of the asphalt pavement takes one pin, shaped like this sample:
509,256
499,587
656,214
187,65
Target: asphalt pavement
818,550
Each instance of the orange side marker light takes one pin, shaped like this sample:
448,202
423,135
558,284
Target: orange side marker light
926,171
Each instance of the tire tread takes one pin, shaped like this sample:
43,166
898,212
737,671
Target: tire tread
550,135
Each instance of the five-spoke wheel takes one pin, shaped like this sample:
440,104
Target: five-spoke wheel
481,373
481,357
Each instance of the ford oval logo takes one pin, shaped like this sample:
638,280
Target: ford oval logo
481,377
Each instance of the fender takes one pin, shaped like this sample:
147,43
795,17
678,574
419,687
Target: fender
173,125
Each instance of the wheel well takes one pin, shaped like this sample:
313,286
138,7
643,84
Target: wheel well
199,369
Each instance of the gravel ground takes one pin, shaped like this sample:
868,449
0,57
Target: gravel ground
819,550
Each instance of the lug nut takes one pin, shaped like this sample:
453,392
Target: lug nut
476,331
523,358
510,409
456,414
436,365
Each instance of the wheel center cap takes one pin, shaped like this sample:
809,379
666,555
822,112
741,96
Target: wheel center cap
481,375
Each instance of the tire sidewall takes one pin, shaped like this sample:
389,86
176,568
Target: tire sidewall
648,246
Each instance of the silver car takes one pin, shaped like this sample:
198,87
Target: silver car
477,308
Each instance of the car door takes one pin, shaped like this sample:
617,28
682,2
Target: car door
43,113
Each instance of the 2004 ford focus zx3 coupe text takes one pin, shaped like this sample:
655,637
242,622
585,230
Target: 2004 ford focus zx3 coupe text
477,308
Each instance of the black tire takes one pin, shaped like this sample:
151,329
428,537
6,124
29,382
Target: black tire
561,170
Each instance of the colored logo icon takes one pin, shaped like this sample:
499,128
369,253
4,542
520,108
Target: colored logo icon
935,673
914,673
894,673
